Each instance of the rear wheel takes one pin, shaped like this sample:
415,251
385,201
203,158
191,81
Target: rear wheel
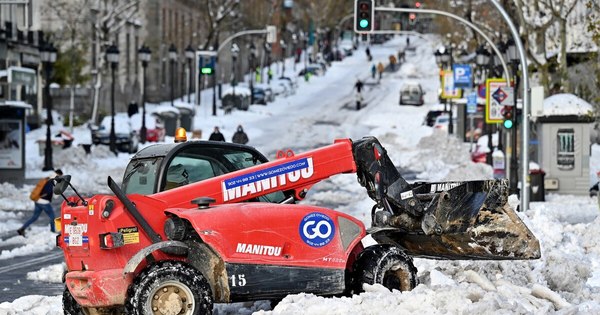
70,306
387,265
170,288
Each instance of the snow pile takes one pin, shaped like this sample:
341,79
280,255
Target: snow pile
51,274
566,104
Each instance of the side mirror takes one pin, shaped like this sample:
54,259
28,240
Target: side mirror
61,184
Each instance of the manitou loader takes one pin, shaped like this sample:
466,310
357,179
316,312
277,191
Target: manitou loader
202,222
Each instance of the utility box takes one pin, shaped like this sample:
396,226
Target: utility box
170,116
12,141
564,144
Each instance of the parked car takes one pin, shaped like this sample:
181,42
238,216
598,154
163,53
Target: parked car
127,138
283,87
258,96
155,128
267,91
441,122
412,93
431,117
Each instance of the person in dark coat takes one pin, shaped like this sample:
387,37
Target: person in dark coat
43,204
240,136
216,135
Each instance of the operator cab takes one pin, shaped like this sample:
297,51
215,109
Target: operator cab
162,167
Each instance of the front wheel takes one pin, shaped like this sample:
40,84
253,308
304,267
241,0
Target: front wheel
387,265
170,288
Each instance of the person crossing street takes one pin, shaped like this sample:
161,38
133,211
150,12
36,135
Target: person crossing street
42,197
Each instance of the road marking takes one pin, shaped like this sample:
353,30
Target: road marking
29,262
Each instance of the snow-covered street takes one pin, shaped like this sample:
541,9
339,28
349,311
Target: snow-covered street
565,280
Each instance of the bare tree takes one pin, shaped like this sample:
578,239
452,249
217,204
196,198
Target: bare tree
72,38
108,19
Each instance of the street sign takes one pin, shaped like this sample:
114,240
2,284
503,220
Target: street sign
493,108
448,90
472,103
206,61
462,76
271,34
504,96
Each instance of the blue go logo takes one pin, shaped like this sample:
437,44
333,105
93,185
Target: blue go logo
317,229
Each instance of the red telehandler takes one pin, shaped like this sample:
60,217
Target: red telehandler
203,222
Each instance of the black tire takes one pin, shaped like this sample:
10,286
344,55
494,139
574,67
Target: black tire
70,306
387,265
169,281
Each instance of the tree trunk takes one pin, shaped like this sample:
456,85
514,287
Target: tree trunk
564,75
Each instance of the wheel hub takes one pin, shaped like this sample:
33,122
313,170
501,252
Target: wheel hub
172,298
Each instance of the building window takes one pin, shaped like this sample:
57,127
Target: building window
565,155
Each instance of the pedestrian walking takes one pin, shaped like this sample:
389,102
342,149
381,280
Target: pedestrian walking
393,62
216,135
240,136
359,100
358,85
380,69
41,195
373,71
368,52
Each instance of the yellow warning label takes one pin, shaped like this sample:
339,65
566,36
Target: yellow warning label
131,235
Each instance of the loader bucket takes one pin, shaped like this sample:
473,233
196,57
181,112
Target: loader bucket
464,220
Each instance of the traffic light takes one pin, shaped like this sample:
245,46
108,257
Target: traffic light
417,4
364,11
507,113
412,18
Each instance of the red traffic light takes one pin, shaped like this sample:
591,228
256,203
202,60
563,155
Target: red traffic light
417,4
364,6
412,16
506,112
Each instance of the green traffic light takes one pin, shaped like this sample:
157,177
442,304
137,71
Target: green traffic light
508,124
363,23
206,70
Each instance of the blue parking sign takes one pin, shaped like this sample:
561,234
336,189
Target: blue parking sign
472,103
462,76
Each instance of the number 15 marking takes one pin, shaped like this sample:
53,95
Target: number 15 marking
241,280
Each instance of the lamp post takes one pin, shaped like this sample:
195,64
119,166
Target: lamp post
511,52
173,59
112,55
268,53
448,60
234,54
482,59
48,57
144,54
295,43
252,56
283,48
189,56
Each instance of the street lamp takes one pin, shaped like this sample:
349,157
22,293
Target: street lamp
438,57
173,58
189,55
448,60
511,52
234,54
268,53
144,54
112,55
295,43
283,48
48,57
252,56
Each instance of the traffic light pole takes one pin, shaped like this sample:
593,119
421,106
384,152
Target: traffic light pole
526,97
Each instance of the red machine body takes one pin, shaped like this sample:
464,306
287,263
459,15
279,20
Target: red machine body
259,234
